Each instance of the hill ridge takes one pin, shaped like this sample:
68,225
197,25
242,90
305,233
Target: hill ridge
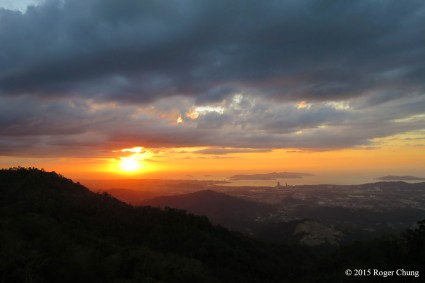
53,229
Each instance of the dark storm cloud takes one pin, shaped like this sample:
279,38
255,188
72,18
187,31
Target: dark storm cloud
26,116
86,77
144,50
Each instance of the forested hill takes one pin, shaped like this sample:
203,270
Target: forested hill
55,230
232,212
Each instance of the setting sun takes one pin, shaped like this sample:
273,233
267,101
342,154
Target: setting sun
130,164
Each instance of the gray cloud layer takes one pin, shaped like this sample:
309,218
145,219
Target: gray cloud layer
75,74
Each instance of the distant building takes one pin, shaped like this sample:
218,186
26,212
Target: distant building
278,185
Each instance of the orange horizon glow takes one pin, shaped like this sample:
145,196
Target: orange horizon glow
392,157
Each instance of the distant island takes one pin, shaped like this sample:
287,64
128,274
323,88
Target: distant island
271,176
401,178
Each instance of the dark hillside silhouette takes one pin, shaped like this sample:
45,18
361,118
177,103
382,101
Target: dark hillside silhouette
231,212
132,197
55,230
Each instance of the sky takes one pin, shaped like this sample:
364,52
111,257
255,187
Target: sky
203,88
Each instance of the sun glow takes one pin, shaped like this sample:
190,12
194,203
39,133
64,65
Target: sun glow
129,164
133,162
